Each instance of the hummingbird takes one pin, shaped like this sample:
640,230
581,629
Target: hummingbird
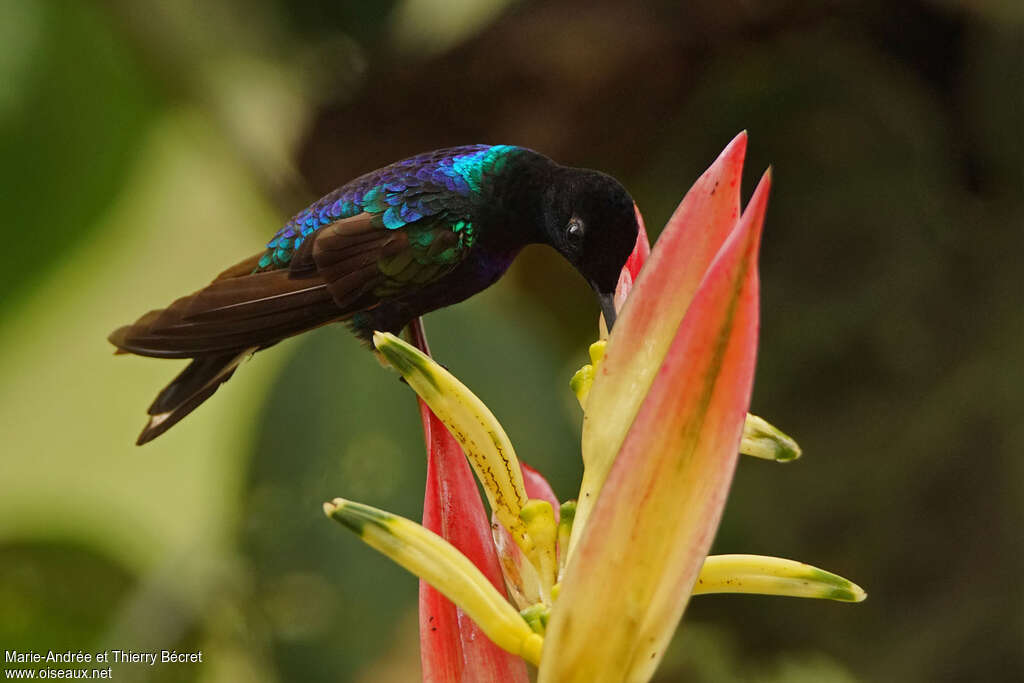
420,234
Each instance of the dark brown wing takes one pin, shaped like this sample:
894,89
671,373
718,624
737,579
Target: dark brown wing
346,257
238,310
363,262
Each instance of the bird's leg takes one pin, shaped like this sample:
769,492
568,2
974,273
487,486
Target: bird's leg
417,335
418,338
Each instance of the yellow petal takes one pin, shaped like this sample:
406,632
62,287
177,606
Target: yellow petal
773,576
566,517
539,517
474,426
584,377
762,439
440,564
581,383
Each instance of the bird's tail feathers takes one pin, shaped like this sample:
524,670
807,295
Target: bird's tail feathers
241,311
188,390
231,313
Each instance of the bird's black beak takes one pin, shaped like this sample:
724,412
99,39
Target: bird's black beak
607,307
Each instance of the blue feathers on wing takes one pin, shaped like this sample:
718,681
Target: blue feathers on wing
400,194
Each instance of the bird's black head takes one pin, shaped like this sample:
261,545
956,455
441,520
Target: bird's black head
589,218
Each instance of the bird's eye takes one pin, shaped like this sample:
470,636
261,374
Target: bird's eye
574,232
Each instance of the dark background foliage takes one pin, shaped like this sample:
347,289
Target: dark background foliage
146,144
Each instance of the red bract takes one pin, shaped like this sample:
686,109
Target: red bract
642,249
452,646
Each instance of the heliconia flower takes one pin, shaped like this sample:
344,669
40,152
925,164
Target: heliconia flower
592,590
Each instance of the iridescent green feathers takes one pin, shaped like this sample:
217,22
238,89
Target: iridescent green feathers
426,195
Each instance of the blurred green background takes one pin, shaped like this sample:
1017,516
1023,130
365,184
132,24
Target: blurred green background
146,145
